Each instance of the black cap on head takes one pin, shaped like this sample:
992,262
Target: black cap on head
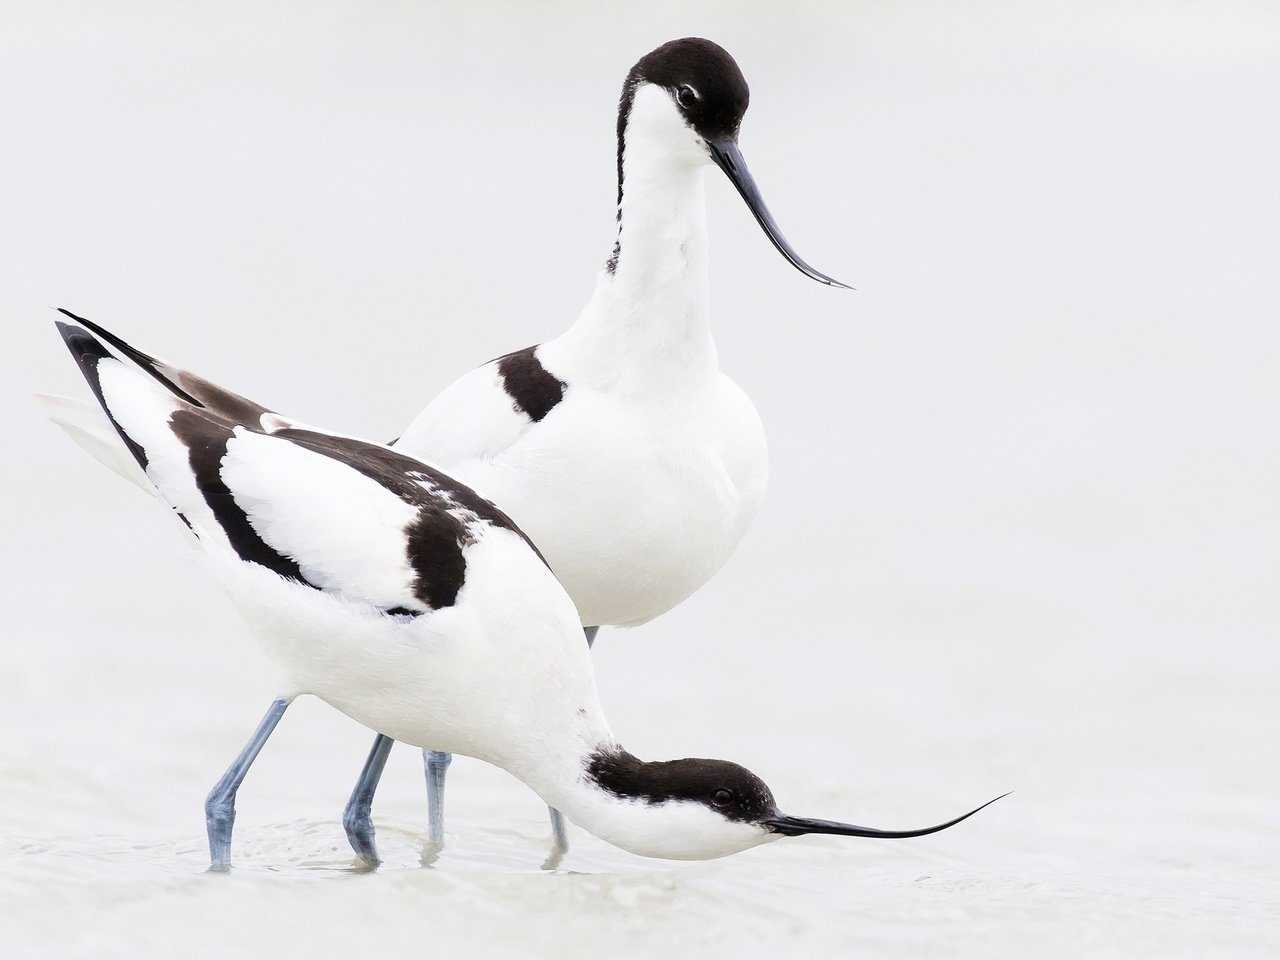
730,790
705,82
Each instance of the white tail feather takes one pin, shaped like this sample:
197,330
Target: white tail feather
89,427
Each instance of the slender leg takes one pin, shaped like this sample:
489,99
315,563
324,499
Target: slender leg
560,839
356,819
220,805
437,765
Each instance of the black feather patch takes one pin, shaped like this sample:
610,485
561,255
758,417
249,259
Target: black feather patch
534,391
448,512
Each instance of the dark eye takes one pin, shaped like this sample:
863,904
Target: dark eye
686,96
722,797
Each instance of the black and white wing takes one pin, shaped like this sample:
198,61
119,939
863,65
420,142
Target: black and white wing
329,512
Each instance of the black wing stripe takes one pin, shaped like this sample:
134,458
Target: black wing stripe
206,440
437,535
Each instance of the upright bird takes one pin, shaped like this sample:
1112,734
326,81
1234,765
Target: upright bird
619,447
403,598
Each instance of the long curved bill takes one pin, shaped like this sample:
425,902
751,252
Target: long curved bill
729,158
796,826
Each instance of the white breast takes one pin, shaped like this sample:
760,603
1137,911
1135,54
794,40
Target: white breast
635,503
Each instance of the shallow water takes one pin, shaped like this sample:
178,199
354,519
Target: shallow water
1021,525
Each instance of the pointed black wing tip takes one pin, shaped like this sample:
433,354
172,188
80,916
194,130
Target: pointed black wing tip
86,327
71,331
102,332
80,341
145,361
87,351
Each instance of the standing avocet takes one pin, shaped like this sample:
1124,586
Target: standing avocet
620,447
407,601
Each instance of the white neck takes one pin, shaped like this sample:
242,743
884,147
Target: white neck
649,317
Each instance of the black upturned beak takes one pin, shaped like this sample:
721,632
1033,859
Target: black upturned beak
728,158
795,826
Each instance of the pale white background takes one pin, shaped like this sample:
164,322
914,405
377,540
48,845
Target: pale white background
1021,532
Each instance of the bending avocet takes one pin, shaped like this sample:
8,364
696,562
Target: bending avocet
413,605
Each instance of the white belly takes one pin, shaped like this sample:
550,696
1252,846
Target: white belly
495,676
634,508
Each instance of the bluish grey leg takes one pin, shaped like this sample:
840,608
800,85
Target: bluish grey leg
560,839
437,765
220,805
356,819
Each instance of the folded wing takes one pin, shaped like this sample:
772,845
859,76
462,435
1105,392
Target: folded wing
329,512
